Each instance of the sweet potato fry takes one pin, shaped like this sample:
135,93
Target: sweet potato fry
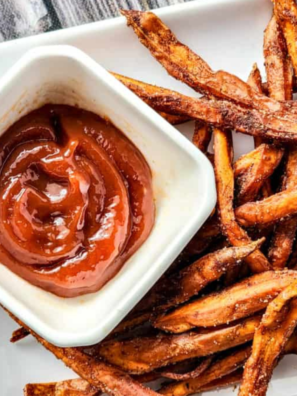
187,283
286,15
278,65
185,65
225,190
40,389
173,119
241,300
262,163
180,287
76,387
99,375
19,334
227,115
255,79
146,92
219,369
270,210
202,136
277,325
203,366
143,354
280,85
285,231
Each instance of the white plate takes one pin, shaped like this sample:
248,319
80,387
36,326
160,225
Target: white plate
229,35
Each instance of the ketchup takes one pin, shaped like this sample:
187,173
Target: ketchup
76,200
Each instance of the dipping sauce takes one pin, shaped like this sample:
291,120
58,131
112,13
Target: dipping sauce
76,200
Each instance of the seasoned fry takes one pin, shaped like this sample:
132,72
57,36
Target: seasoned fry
277,325
188,282
40,389
227,115
225,190
76,387
185,65
280,85
146,92
255,79
202,136
261,164
143,354
100,375
180,287
191,374
269,210
241,300
286,15
174,119
19,334
219,369
278,65
285,232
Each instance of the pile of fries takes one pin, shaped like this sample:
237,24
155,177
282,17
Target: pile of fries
226,310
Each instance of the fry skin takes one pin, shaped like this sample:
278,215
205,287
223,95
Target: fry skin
225,191
219,369
241,300
269,210
277,326
143,354
262,163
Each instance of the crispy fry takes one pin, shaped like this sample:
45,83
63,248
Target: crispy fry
76,387
143,354
255,81
219,369
202,136
174,119
19,334
269,210
278,65
146,92
180,287
225,190
228,115
191,374
262,163
185,65
283,239
241,300
277,325
286,15
188,282
40,389
147,307
280,85
100,375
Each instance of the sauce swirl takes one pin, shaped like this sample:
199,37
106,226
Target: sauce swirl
76,200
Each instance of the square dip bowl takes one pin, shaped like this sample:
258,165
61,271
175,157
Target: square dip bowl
183,183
